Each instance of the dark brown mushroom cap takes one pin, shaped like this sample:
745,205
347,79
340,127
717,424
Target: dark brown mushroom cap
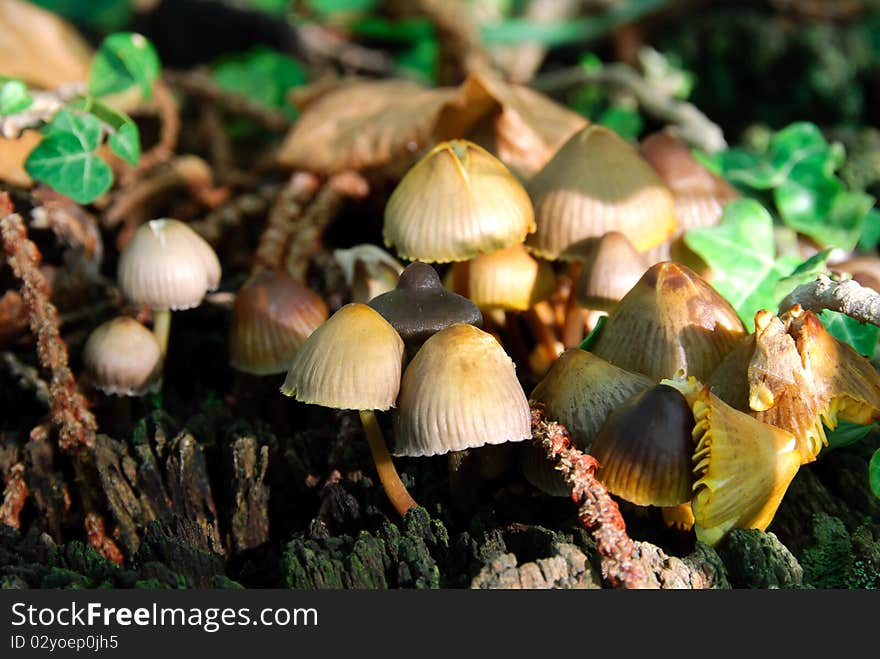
644,448
420,306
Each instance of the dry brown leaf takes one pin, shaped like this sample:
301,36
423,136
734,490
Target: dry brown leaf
13,153
39,47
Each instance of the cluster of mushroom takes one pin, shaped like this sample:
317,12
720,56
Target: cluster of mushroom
165,266
686,411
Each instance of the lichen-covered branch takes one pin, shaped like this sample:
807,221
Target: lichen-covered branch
846,296
693,126
597,511
75,423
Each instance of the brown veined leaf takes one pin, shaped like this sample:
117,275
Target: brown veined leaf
13,153
363,124
39,47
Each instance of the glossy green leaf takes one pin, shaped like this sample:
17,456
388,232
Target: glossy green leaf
846,434
861,336
626,122
126,143
85,127
261,74
124,60
874,473
870,237
14,97
62,161
805,272
590,339
742,254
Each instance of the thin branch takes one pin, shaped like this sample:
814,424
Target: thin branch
693,126
597,511
844,295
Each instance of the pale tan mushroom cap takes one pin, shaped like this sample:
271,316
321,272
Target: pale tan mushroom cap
594,184
510,279
352,361
460,391
122,358
611,267
167,265
456,202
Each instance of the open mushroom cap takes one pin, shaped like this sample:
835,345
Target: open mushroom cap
742,467
611,266
460,391
596,183
644,448
420,306
122,358
167,265
509,279
352,361
272,316
456,202
671,319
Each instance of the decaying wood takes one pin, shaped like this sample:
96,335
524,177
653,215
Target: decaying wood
250,505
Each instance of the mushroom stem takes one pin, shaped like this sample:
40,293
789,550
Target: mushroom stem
545,337
161,328
573,330
395,490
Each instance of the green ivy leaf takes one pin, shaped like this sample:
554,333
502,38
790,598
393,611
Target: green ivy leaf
85,127
626,122
14,97
263,75
861,336
587,343
874,473
126,143
847,433
62,162
870,237
124,60
805,272
742,254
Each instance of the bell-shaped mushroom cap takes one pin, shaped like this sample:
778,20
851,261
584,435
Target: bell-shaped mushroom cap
460,391
580,390
456,202
368,270
670,320
742,466
509,279
611,267
272,316
167,265
420,306
644,448
122,358
597,183
352,361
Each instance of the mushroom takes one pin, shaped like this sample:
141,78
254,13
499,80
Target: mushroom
420,306
456,202
671,319
368,270
353,361
167,266
272,316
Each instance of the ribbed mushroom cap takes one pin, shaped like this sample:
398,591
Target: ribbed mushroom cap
742,466
460,391
597,183
352,361
644,448
670,320
122,358
167,265
368,270
510,279
420,306
611,267
456,202
272,316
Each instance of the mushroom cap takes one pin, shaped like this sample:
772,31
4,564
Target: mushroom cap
122,358
420,306
459,391
368,270
742,466
352,361
510,279
272,316
644,448
456,202
671,319
597,183
167,265
611,267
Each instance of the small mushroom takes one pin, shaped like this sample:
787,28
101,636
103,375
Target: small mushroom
420,306
353,361
458,201
368,270
272,316
167,266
